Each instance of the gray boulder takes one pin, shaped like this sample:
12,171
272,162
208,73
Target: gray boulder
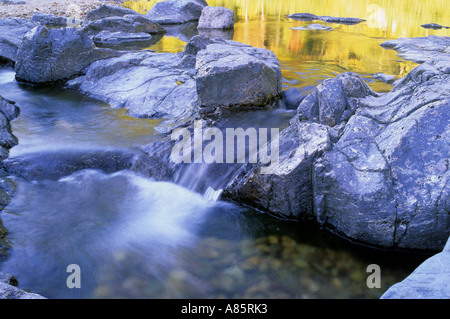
12,31
176,11
431,280
173,86
51,55
107,11
222,68
131,23
49,20
216,18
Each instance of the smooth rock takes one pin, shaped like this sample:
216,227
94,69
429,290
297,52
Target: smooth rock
292,97
216,18
51,55
433,26
313,26
222,68
310,17
386,78
176,11
122,40
431,280
54,165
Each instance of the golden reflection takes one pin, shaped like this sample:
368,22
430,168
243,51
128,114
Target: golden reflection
263,23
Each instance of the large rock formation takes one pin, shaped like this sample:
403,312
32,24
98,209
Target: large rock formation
51,55
174,86
176,11
371,167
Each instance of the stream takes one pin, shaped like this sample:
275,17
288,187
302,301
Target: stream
134,237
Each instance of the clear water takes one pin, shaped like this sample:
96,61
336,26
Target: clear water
137,238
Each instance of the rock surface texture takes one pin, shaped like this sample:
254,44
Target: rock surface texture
431,280
176,11
12,31
216,18
371,167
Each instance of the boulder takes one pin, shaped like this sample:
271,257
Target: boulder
51,55
431,280
216,18
171,86
176,11
107,11
222,68
12,31
131,23
49,20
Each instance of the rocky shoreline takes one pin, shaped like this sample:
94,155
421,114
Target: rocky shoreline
371,167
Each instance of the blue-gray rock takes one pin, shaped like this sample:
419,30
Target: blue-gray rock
107,11
314,26
125,41
421,49
292,97
386,78
51,55
12,31
174,86
379,175
216,18
433,26
130,23
176,11
310,17
431,280
49,20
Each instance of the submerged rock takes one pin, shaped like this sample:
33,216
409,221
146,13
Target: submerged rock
433,26
314,26
12,31
431,280
310,17
216,18
51,55
54,165
176,11
386,78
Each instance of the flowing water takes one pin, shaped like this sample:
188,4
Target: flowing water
134,237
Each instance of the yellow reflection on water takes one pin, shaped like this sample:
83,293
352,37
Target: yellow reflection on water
309,56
